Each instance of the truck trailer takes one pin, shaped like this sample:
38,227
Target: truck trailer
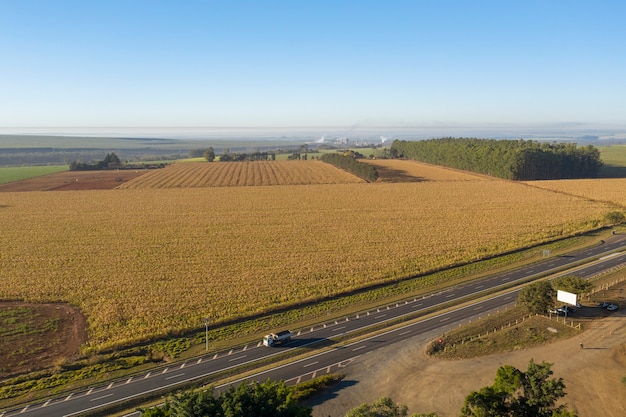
275,339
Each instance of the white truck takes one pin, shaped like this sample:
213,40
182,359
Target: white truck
275,339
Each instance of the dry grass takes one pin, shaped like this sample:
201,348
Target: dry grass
396,170
611,190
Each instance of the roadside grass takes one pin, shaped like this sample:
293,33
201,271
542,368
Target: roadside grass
11,174
507,331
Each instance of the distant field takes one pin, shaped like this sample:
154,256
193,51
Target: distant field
144,262
602,189
614,158
395,170
10,174
613,155
232,174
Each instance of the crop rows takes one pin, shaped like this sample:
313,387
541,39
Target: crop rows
232,174
144,262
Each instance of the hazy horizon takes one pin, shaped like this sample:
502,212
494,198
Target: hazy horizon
565,131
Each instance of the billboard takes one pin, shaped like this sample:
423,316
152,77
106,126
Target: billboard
566,297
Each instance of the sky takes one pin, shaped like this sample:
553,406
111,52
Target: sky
157,63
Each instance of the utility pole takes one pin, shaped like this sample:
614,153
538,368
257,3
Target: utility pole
206,333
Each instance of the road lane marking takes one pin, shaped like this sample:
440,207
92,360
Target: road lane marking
339,328
358,348
444,318
403,333
381,316
418,305
175,376
479,287
450,295
237,358
310,364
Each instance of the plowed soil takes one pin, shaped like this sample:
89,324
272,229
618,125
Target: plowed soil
74,180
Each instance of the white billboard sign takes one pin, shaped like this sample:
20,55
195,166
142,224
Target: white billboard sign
566,297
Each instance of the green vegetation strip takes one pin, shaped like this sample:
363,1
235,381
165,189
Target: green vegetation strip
12,174
503,332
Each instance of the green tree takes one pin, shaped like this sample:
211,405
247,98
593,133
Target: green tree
188,404
615,217
537,297
269,399
111,160
209,154
519,394
385,407
573,284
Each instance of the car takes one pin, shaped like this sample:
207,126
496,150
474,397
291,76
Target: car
611,307
603,304
554,311
565,309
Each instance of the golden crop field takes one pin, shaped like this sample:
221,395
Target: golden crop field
604,189
230,174
142,262
397,170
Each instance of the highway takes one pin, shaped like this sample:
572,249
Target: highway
593,260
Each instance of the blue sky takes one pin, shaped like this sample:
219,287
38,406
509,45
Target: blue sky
312,63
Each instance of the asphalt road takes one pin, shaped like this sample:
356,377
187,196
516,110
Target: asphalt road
75,403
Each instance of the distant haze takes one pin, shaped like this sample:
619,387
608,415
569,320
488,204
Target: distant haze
557,132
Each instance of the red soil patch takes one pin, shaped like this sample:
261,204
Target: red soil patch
74,180
38,336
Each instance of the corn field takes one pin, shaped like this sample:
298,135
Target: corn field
148,261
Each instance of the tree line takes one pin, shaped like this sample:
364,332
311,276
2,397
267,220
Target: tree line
509,159
110,161
349,163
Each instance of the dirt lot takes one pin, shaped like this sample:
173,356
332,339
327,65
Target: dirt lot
74,180
406,374
38,336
